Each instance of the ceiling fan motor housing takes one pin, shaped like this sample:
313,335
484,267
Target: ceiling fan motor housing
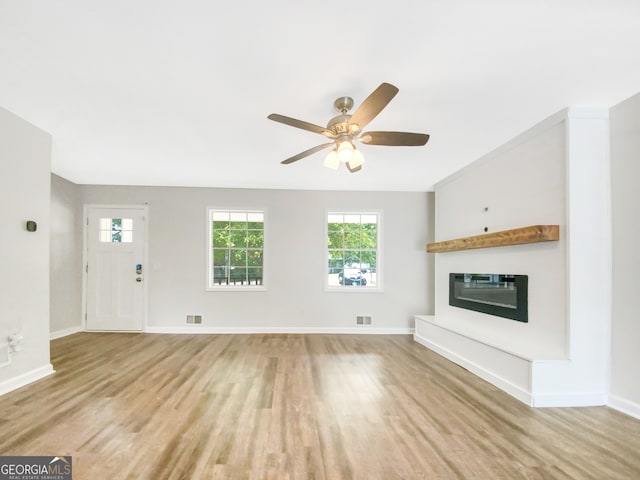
339,124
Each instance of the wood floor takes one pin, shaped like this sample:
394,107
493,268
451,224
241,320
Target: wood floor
149,406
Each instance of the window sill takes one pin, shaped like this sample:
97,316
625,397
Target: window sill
353,289
232,288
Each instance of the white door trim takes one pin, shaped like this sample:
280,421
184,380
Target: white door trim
85,257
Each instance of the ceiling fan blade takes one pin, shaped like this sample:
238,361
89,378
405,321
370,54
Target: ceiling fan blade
395,139
354,169
292,122
373,105
306,153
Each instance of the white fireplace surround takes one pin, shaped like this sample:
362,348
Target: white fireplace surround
561,357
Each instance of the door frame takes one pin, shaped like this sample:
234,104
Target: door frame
85,257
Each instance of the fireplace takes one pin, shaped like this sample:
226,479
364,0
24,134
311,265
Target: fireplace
500,294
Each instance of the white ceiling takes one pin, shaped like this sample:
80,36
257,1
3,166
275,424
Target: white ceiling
159,92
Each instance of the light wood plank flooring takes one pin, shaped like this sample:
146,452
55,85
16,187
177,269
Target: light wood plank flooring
145,406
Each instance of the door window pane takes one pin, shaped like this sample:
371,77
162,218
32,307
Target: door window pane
115,230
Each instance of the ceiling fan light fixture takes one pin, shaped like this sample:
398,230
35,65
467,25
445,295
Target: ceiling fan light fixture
346,128
331,160
345,151
357,159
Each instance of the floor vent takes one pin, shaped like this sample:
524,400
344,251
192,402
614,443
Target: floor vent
194,319
363,320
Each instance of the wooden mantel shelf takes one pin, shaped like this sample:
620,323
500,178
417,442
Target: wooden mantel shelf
516,236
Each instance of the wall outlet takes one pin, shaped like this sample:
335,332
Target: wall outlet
363,320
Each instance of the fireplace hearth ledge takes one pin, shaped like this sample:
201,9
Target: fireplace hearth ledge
513,372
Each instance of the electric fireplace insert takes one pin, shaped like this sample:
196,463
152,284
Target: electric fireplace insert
500,294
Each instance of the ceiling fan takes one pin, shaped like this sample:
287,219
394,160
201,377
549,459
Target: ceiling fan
345,129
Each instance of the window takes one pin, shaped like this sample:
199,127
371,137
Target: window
115,230
236,249
353,256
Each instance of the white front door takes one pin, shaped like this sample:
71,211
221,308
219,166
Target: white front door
115,269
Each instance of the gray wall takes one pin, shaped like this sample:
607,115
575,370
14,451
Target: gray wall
625,180
65,257
295,298
25,157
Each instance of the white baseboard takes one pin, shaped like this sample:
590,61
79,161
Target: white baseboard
503,384
26,378
625,406
200,329
586,399
65,332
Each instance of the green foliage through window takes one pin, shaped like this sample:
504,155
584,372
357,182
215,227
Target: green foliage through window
237,248
352,249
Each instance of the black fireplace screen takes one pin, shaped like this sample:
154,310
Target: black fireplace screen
498,294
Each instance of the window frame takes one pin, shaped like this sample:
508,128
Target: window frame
209,287
379,260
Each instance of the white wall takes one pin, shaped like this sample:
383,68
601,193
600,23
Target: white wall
584,378
521,184
25,156
625,177
65,257
295,299
555,173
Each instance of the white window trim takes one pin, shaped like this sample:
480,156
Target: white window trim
209,252
379,260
